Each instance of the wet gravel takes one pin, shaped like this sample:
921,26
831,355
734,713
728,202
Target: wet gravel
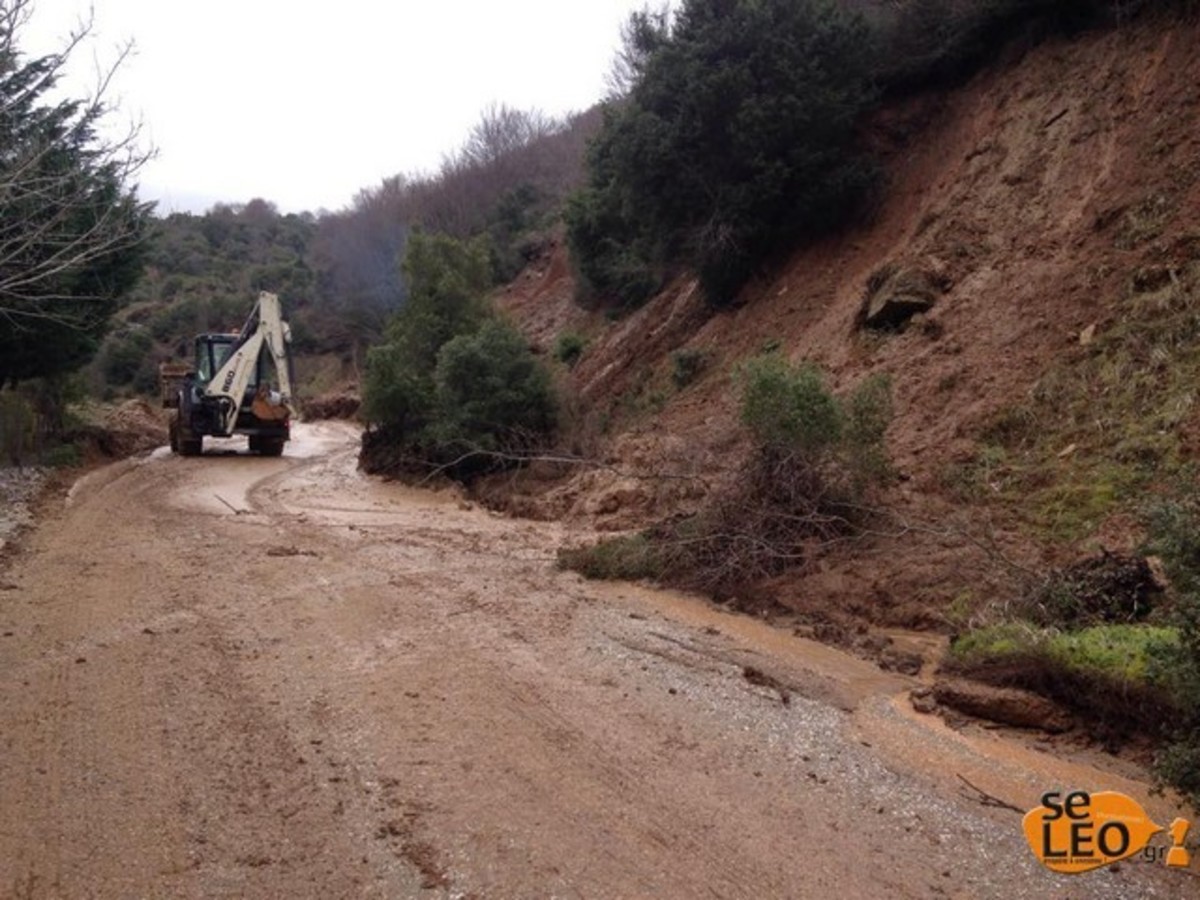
19,489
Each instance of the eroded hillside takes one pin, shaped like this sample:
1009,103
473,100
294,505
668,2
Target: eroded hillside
1052,207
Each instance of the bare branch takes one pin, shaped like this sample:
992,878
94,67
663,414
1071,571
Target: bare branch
68,209
985,799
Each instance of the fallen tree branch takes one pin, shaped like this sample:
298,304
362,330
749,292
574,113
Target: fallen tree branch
560,459
985,799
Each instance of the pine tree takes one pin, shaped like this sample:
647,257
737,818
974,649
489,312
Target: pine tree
71,229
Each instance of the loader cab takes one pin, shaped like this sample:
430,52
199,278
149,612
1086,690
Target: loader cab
211,352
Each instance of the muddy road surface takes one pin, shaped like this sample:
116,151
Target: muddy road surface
244,677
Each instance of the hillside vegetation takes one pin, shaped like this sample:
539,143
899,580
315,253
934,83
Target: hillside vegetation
339,274
739,134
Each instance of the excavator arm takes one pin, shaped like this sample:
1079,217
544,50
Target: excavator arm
264,328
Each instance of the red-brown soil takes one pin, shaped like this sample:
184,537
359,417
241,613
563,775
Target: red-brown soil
1032,194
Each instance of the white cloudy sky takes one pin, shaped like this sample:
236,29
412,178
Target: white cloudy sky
305,103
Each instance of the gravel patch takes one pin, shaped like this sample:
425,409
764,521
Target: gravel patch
18,490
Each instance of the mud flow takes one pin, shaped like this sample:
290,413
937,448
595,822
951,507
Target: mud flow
232,676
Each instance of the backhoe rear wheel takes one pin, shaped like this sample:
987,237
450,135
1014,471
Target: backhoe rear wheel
266,446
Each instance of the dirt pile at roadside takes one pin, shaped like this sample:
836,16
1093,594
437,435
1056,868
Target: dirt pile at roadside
336,405
131,428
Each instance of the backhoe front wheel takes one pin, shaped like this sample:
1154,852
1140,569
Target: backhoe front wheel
183,441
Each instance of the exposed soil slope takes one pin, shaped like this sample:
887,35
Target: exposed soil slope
1032,197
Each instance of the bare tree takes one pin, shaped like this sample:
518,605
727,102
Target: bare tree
501,131
70,223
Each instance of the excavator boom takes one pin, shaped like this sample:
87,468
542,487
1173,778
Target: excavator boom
265,329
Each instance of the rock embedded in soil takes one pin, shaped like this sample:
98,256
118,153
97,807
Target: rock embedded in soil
902,661
923,701
1008,706
895,294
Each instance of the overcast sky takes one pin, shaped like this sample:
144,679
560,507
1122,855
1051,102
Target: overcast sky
306,103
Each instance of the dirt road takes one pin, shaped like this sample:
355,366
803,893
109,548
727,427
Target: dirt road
244,677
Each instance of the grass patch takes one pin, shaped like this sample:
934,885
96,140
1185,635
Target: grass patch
1127,655
1096,431
625,558
977,478
1113,675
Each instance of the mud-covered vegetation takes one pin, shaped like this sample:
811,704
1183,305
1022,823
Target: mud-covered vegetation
1114,638
815,461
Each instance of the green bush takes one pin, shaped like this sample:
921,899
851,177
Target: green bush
568,348
617,261
686,366
788,407
448,281
736,139
815,458
451,387
867,413
126,355
491,393
512,228
1174,529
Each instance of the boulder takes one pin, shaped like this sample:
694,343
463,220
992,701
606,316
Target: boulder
895,294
